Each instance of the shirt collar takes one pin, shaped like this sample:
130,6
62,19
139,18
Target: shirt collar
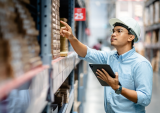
125,55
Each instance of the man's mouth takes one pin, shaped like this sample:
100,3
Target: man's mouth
112,39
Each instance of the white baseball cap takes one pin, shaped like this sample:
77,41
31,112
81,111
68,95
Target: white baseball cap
130,23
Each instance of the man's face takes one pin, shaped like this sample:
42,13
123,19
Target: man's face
119,37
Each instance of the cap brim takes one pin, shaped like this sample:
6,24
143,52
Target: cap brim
114,20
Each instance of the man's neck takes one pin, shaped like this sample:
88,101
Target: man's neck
122,50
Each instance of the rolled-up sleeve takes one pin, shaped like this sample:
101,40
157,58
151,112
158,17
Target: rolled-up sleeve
95,56
143,83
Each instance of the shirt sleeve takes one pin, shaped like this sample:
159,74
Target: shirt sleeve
143,83
95,56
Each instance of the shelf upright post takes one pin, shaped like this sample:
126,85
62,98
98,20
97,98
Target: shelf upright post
46,39
71,79
79,72
46,31
38,19
71,82
71,5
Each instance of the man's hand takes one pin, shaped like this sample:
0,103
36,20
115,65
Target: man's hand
113,82
66,31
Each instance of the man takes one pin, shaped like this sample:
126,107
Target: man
131,69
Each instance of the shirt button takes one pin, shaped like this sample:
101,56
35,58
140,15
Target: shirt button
110,93
107,103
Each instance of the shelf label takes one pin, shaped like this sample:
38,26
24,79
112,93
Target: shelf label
79,14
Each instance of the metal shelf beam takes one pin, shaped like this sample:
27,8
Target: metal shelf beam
150,2
152,27
14,83
63,66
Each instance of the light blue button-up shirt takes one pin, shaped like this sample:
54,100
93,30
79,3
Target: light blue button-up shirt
135,73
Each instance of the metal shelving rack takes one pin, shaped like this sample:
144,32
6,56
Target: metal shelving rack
151,49
150,2
53,72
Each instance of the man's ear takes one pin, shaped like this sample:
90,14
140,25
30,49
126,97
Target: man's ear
131,37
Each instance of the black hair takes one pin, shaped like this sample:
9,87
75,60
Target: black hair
129,30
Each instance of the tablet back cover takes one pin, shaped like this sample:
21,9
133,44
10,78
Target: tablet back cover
106,67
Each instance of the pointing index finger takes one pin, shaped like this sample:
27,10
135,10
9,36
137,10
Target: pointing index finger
64,23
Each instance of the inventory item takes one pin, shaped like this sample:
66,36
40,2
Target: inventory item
64,42
18,39
55,25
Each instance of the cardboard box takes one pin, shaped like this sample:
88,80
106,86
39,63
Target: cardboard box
151,10
154,37
146,17
157,12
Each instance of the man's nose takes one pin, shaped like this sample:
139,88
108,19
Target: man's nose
113,34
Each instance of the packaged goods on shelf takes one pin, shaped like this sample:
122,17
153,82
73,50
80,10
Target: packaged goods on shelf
55,35
146,17
26,1
64,42
66,94
62,95
148,38
155,35
76,102
155,64
151,12
18,36
157,12
59,99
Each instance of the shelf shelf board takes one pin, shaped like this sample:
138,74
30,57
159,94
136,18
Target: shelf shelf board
62,67
6,87
152,46
66,108
152,27
149,2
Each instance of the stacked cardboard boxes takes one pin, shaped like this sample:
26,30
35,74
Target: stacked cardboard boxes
19,47
152,14
55,34
62,95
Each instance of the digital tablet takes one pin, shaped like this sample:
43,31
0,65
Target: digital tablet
106,67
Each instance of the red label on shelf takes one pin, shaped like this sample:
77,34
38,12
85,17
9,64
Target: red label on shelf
79,14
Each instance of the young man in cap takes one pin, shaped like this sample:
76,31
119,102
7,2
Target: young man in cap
131,69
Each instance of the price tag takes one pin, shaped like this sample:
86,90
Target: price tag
79,14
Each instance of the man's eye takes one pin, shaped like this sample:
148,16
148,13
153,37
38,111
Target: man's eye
119,31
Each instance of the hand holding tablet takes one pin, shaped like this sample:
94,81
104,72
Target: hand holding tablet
105,75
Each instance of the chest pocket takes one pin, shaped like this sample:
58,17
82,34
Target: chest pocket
126,81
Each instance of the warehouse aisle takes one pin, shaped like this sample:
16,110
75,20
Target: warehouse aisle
154,105
94,101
